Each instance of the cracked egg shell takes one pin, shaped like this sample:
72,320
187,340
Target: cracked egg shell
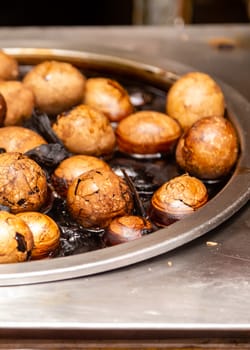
16,239
46,234
209,149
147,132
19,139
72,167
85,130
193,96
57,86
96,197
108,96
23,183
178,197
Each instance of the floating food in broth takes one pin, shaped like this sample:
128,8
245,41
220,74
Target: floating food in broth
209,149
193,96
9,67
85,130
45,231
147,132
20,102
19,139
177,198
72,167
96,197
57,86
108,96
16,239
23,183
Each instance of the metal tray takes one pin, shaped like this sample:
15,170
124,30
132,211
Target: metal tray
231,198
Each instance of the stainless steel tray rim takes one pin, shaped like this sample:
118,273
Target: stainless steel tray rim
235,194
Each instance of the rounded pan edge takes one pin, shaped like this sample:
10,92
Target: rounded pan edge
230,199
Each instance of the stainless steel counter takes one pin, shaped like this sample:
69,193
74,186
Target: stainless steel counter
197,290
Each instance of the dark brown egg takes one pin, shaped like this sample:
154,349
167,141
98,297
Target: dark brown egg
96,197
57,86
193,96
46,234
209,149
3,109
16,239
9,69
147,132
72,167
20,102
108,96
85,130
177,198
126,228
23,183
19,139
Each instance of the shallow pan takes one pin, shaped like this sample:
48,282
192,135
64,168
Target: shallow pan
227,201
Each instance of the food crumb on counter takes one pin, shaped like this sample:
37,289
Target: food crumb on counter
211,243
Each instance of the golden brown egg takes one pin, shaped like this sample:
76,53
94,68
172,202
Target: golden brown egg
126,228
46,234
57,86
16,239
193,96
19,139
96,197
177,198
85,130
72,167
9,68
147,132
108,96
209,149
20,102
23,183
